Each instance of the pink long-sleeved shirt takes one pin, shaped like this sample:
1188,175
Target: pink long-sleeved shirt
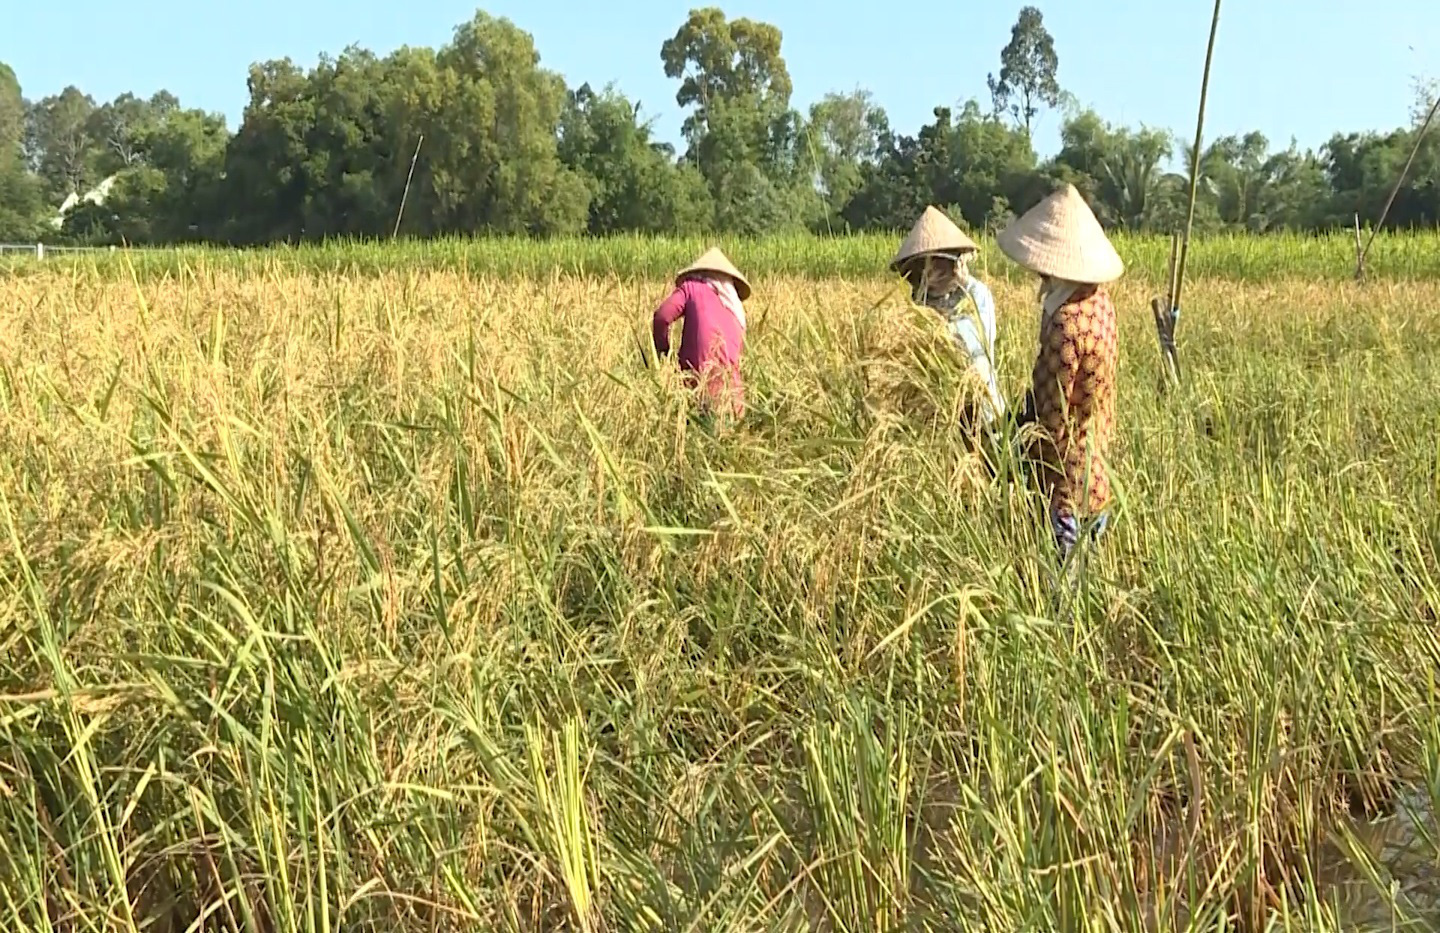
711,342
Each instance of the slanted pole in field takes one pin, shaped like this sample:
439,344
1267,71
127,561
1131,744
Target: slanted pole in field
405,194
1359,252
1167,309
1166,312
1390,201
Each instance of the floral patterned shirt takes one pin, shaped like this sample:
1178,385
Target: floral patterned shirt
1074,385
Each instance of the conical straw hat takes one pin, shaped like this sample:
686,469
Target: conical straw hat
1060,237
715,261
933,233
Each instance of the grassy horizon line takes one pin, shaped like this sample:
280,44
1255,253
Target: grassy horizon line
1394,256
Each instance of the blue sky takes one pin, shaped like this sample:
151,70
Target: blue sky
1285,67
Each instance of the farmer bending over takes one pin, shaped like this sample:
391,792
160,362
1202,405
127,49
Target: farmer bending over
1072,394
709,294
935,260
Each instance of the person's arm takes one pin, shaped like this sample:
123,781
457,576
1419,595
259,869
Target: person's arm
985,304
670,311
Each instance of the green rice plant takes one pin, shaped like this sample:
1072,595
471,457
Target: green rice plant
561,800
1240,257
859,792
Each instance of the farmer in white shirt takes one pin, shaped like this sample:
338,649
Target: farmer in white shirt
934,259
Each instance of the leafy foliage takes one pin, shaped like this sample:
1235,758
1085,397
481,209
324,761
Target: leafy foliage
1028,65
501,146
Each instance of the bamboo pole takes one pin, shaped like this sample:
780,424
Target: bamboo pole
1167,317
406,193
1385,212
1359,253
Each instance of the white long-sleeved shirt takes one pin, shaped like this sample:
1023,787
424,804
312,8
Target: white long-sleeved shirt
979,343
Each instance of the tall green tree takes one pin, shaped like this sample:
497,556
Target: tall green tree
60,142
634,185
720,60
972,163
328,152
1028,68
1258,190
502,171
21,197
1120,169
742,133
22,201
266,158
1425,92
841,138
118,130
1362,168
168,190
12,111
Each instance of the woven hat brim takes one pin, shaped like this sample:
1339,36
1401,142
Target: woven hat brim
1091,264
954,255
714,260
1061,237
933,234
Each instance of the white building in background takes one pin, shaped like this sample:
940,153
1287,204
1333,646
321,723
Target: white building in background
95,195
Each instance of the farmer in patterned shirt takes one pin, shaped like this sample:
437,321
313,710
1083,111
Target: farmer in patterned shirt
1072,393
935,260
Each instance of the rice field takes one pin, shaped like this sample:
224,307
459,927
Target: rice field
383,588
1394,256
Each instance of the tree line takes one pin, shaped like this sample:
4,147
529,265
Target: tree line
506,147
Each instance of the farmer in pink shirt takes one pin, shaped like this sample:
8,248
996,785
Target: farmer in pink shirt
709,294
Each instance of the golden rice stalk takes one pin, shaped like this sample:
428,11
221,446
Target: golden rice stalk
913,370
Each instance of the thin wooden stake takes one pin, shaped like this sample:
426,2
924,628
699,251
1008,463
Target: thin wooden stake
1165,318
406,193
1385,212
1359,253
1195,156
1168,315
1174,261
